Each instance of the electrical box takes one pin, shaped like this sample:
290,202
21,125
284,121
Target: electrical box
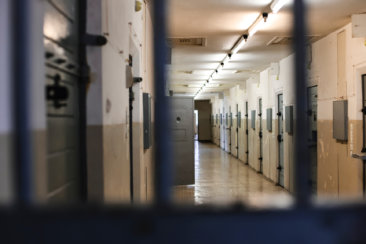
147,120
253,120
269,119
289,119
340,120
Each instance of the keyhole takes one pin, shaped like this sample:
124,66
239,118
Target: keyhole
178,119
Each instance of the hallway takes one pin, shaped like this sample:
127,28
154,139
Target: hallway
222,179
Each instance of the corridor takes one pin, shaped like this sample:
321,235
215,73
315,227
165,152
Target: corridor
222,179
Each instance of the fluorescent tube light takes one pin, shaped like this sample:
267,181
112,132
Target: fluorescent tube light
239,44
219,68
226,59
258,24
194,86
278,4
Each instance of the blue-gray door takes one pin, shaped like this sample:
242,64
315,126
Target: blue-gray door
247,132
260,135
281,164
237,129
312,135
61,42
182,126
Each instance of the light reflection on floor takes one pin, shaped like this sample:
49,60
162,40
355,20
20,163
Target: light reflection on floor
222,179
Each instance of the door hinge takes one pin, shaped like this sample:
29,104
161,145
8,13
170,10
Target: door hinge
363,110
279,138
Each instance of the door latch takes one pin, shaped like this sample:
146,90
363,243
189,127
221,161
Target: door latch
57,93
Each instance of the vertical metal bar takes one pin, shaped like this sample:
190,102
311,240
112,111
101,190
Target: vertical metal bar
163,152
21,68
84,79
302,163
130,105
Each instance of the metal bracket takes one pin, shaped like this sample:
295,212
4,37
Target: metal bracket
94,40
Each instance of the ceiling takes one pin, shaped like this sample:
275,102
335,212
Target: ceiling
222,22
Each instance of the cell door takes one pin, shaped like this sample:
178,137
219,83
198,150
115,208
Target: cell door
237,129
61,42
260,135
281,161
182,127
247,133
312,135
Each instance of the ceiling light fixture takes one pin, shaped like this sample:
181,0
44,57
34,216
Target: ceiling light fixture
226,59
194,86
239,44
278,4
258,24
220,67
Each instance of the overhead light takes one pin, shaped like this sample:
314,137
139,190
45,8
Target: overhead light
278,4
194,86
220,67
226,59
258,24
213,85
239,44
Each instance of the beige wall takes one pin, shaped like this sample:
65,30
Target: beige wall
338,75
338,60
128,33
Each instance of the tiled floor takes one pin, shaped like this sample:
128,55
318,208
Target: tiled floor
222,179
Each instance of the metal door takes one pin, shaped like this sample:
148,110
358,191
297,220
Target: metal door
260,135
312,137
280,168
61,42
228,131
247,133
237,130
183,139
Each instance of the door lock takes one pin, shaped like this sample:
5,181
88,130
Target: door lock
57,93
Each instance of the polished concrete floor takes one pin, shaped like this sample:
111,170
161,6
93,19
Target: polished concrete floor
221,179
